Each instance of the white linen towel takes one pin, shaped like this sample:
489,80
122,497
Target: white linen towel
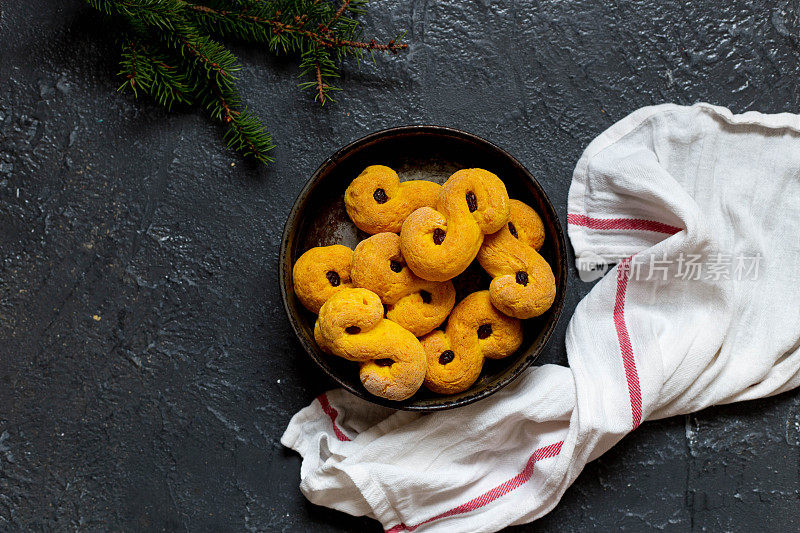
701,210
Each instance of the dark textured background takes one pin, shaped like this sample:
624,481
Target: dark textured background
147,369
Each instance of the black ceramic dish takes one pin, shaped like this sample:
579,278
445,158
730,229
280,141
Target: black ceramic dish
318,218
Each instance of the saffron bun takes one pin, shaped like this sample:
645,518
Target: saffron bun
320,273
523,284
439,243
351,325
377,201
418,305
475,331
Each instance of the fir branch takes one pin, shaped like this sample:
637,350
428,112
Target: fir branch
244,132
330,41
217,61
152,73
318,65
170,51
264,29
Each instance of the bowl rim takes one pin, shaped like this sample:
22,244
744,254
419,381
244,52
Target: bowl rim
411,129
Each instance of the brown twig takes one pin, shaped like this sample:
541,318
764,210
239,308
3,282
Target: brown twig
319,85
132,75
335,17
226,108
391,46
321,38
204,9
335,42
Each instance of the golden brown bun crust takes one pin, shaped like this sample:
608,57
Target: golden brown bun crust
416,304
320,273
523,285
475,331
438,244
351,325
377,201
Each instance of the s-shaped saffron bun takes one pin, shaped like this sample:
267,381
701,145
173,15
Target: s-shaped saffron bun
351,325
377,201
416,304
320,273
475,331
439,244
523,285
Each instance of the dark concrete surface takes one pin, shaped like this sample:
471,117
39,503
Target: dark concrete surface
147,369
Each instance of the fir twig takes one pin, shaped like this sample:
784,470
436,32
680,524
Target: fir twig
151,72
170,51
320,85
336,16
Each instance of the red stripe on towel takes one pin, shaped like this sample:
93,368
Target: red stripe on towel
495,493
621,223
625,347
332,413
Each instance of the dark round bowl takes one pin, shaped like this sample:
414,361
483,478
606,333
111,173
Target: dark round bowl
433,153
